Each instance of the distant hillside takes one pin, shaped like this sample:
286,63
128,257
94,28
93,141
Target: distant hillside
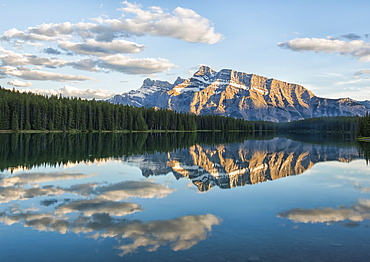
239,95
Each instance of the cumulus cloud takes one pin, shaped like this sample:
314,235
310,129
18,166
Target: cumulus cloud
103,60
10,58
18,83
93,47
125,64
17,34
96,206
184,24
29,74
355,48
71,91
85,64
128,189
356,213
44,32
100,42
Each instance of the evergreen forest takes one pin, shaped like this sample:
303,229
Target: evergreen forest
364,126
27,111
339,124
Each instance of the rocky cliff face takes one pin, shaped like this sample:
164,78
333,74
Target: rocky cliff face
233,165
239,95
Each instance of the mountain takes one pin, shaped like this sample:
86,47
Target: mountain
239,95
240,164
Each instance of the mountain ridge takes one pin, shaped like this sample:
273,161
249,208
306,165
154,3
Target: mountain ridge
239,95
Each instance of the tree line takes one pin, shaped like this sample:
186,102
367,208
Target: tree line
364,126
339,124
27,111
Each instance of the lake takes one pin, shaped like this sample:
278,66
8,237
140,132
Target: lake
183,197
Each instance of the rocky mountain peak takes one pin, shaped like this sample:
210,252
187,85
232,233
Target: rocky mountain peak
149,82
204,70
178,81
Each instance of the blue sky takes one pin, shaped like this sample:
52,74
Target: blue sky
99,48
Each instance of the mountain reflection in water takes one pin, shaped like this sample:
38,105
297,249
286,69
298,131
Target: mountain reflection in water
239,164
89,204
202,158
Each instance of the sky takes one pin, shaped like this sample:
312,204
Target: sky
98,48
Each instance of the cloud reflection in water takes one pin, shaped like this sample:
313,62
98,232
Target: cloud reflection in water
356,213
100,214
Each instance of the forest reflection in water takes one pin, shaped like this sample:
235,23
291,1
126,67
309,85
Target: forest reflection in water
54,183
31,150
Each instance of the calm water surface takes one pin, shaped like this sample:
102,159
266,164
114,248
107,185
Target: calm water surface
183,197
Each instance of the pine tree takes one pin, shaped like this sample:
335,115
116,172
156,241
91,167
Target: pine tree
15,123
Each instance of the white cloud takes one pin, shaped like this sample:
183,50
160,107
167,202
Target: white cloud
11,58
29,74
101,39
184,24
32,34
70,91
44,32
18,83
356,48
85,64
93,47
53,30
125,64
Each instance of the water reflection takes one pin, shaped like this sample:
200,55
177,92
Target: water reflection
26,151
239,164
355,213
181,233
35,178
76,200
96,219
346,215
97,210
